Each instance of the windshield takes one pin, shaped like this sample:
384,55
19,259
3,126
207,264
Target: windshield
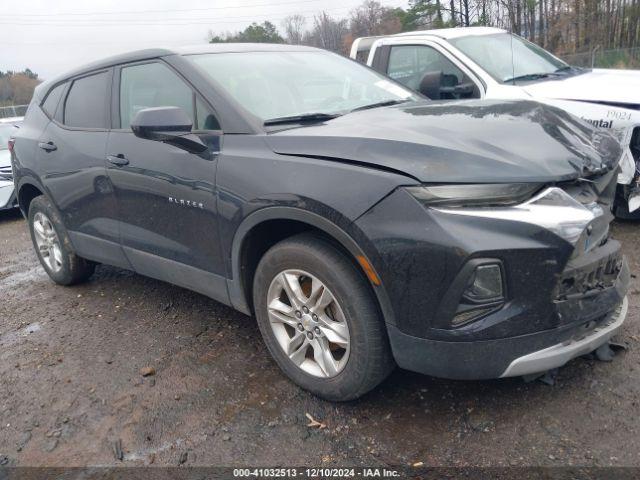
493,53
6,131
285,84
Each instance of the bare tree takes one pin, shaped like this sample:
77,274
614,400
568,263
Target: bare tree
327,33
293,27
562,26
372,18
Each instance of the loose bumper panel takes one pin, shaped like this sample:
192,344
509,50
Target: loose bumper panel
580,344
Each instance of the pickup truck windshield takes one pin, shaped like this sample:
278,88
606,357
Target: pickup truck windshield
310,85
494,54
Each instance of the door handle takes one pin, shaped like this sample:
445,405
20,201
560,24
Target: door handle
118,160
47,147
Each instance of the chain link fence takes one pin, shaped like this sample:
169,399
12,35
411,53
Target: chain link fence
13,111
625,58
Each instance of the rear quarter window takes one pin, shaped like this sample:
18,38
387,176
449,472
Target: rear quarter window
86,103
50,104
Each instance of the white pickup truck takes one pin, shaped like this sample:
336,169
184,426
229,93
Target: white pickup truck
482,62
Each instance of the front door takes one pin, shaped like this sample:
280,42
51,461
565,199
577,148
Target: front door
409,64
166,196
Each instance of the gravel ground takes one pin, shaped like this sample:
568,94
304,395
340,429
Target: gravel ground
72,392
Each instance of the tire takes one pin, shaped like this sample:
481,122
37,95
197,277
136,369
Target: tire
63,266
356,366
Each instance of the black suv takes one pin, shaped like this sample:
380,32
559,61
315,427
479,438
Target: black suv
363,226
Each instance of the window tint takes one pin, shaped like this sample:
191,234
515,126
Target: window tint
156,85
409,63
85,106
51,102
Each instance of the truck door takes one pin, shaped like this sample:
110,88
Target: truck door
425,69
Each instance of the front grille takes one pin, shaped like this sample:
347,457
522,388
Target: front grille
6,173
579,280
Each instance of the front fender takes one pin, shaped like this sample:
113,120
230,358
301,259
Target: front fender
234,284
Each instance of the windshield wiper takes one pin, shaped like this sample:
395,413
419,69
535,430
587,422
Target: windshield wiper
569,69
386,103
531,76
305,117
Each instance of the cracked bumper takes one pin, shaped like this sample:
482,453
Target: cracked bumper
581,344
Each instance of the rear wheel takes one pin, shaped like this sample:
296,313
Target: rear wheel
320,319
53,247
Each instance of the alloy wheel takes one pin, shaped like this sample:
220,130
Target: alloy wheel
308,323
47,242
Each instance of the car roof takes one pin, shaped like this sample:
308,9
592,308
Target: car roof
448,33
139,55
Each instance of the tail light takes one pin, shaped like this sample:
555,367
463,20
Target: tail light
11,143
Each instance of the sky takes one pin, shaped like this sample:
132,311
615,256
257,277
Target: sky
53,36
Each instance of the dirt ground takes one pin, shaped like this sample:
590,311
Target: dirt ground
71,391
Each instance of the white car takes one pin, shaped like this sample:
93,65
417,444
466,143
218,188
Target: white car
8,126
482,62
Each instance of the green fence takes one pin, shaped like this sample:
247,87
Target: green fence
628,58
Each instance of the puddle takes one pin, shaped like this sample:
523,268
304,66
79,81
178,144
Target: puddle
12,337
29,329
144,453
27,276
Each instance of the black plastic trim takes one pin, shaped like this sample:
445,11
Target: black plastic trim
451,300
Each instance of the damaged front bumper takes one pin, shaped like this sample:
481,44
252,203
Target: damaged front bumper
564,279
582,328
584,341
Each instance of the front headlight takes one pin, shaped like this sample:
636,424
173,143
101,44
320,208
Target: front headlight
474,195
627,167
552,209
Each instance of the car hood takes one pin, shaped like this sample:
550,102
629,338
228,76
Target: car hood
5,158
602,86
470,141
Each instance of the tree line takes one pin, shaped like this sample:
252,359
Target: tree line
562,26
16,88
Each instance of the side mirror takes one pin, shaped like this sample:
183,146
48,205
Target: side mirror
437,86
431,84
169,125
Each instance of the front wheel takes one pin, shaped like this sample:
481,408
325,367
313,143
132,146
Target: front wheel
319,319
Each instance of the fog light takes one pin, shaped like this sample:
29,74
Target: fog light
485,284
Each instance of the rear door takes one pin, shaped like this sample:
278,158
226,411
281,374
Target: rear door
71,155
166,196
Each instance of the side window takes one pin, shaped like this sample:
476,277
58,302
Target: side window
50,104
408,64
156,85
205,119
85,106
362,55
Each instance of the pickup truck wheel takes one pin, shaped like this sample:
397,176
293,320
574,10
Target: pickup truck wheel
319,319
53,247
